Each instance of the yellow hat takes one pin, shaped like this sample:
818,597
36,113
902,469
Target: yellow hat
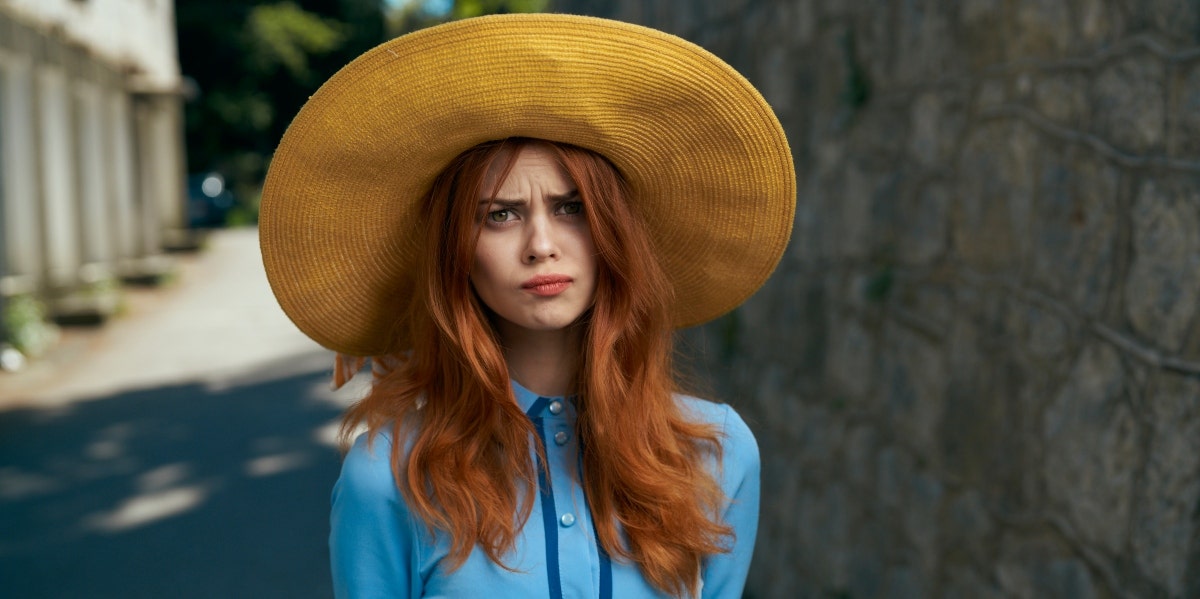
705,157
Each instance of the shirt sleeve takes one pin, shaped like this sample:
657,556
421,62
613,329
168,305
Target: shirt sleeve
373,544
725,573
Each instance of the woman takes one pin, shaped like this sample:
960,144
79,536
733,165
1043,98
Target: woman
510,214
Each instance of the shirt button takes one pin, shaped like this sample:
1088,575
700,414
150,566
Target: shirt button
556,407
561,437
567,520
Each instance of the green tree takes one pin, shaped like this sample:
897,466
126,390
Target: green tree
254,64
464,9
284,36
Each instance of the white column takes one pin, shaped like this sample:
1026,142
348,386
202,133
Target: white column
168,145
150,236
122,184
57,178
94,169
22,268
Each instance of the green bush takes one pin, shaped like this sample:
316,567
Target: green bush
23,325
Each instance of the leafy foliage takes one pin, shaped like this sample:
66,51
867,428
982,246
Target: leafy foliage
23,324
464,9
285,35
255,62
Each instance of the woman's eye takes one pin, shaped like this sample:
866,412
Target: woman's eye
572,208
498,216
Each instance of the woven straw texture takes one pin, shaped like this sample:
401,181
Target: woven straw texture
707,160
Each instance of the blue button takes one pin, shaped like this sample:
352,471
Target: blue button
561,437
556,407
567,520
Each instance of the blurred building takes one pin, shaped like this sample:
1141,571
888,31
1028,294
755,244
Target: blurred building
91,148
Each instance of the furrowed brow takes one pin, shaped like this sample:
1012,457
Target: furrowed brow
502,203
507,203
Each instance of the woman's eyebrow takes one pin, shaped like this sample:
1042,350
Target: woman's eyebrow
501,202
507,203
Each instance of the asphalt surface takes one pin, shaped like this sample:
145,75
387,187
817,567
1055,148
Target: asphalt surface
184,449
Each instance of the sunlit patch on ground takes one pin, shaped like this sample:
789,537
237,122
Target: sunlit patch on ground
16,484
109,443
271,465
147,508
162,477
159,496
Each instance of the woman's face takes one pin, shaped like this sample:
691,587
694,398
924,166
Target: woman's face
535,263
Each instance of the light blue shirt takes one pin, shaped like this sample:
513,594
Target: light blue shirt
379,549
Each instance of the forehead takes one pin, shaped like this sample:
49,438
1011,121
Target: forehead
533,165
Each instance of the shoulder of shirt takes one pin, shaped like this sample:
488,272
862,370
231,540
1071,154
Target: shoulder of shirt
367,468
738,442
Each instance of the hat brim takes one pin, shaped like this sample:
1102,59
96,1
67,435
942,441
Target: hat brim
707,161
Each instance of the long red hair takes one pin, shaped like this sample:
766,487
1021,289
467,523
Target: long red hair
460,452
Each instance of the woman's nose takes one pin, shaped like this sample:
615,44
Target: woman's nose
541,244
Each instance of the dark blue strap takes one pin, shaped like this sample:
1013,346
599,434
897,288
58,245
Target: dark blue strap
605,569
549,517
605,562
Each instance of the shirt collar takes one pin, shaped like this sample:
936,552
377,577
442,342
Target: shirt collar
535,405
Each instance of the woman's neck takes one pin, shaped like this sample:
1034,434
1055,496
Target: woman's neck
544,362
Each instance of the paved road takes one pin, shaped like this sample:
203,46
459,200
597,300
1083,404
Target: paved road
184,450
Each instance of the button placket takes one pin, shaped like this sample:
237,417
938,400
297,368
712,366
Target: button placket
561,436
573,531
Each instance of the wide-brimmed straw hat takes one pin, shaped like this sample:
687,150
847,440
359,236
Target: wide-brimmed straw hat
707,161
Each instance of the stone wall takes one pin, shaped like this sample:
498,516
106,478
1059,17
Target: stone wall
975,372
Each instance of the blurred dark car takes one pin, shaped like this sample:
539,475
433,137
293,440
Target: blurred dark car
209,201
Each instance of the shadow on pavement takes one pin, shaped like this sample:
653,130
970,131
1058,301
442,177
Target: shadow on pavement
177,491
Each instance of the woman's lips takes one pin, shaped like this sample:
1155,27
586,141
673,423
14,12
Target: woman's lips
547,285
